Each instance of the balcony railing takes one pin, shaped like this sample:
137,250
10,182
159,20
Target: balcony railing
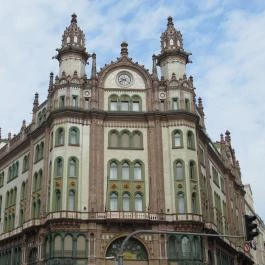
140,216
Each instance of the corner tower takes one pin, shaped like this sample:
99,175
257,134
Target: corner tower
72,56
173,58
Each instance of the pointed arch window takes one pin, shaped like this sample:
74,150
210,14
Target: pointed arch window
113,103
177,138
187,104
193,203
59,136
113,201
137,171
113,170
126,202
125,170
113,139
190,140
175,104
192,169
137,139
181,203
138,202
74,136
57,204
59,167
71,200
125,139
186,247
72,167
179,170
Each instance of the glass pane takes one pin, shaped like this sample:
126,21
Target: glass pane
177,139
124,105
113,105
113,171
126,202
136,106
137,174
113,202
73,136
138,202
181,203
72,168
180,172
71,202
125,171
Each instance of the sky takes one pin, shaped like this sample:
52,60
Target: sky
226,38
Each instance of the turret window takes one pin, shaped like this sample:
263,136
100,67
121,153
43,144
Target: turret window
126,202
59,137
190,140
73,167
62,102
71,200
192,168
74,136
187,104
177,139
175,104
181,203
138,202
75,101
179,170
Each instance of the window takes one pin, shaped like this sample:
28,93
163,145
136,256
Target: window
125,171
72,167
192,168
25,163
62,102
59,167
113,170
222,184
201,155
57,204
113,139
75,101
215,176
137,171
181,203
71,200
175,104
74,136
177,138
179,170
193,203
137,141
186,247
138,202
125,139
113,201
136,103
190,140
114,104
125,103
187,104
59,136
126,202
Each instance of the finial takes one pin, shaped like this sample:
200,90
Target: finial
50,83
200,103
170,21
9,136
36,102
124,49
221,138
227,136
94,66
154,70
74,20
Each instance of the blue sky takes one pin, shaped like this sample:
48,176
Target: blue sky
226,38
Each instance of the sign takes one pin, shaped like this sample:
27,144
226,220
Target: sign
246,247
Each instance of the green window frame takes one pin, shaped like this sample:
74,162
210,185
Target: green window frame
190,140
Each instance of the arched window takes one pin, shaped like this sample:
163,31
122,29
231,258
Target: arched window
177,138
181,203
59,136
41,150
137,171
37,153
39,180
125,139
113,201
57,201
25,163
125,171
187,104
71,200
137,139
113,139
58,246
138,203
136,103
186,247
81,246
68,246
192,168
190,140
124,103
72,167
59,167
35,180
126,202
113,102
175,104
193,203
179,170
113,170
74,136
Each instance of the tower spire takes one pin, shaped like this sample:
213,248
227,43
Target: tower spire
72,55
173,58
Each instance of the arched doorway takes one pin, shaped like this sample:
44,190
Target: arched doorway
134,251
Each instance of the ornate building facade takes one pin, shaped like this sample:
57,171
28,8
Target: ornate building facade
119,151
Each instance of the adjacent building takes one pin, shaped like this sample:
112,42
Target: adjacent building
115,151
